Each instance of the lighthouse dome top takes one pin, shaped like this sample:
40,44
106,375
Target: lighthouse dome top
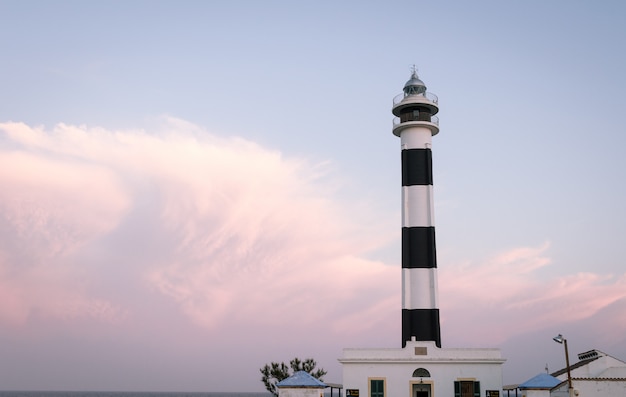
414,86
414,95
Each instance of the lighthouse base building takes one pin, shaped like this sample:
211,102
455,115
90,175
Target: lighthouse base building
421,367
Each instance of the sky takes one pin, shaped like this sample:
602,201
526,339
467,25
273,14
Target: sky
192,189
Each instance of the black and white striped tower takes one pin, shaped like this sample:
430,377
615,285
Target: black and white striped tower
415,123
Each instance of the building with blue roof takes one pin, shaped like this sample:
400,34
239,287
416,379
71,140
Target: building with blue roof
302,379
301,384
539,385
596,374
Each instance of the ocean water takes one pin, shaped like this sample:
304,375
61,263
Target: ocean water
126,394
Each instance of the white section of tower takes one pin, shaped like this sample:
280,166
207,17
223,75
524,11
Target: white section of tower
416,137
419,289
417,210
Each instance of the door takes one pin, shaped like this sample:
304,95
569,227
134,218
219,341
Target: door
421,390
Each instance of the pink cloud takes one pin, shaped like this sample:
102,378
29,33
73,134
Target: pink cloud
232,233
240,226
50,207
57,203
507,295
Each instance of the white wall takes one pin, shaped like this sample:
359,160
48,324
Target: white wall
593,388
605,388
396,367
535,393
300,392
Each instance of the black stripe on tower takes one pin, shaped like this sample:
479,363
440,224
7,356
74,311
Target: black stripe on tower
423,324
418,247
417,167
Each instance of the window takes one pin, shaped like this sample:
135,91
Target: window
466,388
377,388
415,115
421,373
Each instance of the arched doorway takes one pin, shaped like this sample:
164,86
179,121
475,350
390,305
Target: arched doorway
421,388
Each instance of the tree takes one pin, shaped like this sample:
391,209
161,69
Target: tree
273,373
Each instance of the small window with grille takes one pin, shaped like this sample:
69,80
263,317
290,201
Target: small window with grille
466,388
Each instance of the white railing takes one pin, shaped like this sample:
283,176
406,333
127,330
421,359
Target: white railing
428,95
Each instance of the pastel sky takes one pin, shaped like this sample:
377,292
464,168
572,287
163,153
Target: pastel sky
191,189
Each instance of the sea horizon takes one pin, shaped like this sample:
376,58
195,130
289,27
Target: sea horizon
121,393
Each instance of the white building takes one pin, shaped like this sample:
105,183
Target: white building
301,384
421,369
539,386
595,374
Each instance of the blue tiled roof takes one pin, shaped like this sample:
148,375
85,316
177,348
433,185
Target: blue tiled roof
301,379
541,381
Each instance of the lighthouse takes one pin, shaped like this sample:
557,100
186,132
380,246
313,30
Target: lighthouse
421,367
415,123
